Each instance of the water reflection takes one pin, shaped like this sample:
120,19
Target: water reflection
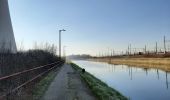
134,82
131,68
167,83
157,73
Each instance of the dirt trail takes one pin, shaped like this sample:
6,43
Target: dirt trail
67,85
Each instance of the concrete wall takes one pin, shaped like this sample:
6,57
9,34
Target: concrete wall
7,40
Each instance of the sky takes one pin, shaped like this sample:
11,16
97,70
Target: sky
92,26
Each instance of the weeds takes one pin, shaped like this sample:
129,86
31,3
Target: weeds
99,88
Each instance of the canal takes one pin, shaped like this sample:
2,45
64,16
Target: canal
133,82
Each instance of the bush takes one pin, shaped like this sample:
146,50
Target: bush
20,61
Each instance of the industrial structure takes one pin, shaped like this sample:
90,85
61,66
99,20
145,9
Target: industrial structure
7,40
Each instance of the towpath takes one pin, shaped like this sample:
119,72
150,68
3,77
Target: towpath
68,85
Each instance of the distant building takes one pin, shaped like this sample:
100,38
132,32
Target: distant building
7,40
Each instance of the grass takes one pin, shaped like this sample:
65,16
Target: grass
43,85
158,63
101,90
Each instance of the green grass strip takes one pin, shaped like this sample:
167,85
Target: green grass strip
101,90
43,85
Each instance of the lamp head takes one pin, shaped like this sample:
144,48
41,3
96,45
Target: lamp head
63,30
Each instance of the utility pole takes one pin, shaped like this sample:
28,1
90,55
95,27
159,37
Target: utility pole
145,49
156,48
130,49
164,44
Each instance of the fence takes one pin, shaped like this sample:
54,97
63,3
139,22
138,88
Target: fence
11,85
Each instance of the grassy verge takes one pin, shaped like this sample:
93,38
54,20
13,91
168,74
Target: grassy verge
43,85
158,63
99,88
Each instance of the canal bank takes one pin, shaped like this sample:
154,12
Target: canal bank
101,90
158,63
136,83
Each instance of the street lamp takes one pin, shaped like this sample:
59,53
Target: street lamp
60,42
64,52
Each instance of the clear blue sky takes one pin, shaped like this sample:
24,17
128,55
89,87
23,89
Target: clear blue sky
92,25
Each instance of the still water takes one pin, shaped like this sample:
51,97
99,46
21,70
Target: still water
133,82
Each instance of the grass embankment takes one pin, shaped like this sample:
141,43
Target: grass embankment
43,85
159,63
101,90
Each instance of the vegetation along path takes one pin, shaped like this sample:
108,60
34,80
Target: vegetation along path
67,85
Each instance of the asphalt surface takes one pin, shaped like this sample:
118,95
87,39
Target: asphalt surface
68,85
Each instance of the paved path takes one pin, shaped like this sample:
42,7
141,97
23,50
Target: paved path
67,85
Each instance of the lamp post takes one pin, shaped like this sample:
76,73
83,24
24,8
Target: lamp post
64,52
60,42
